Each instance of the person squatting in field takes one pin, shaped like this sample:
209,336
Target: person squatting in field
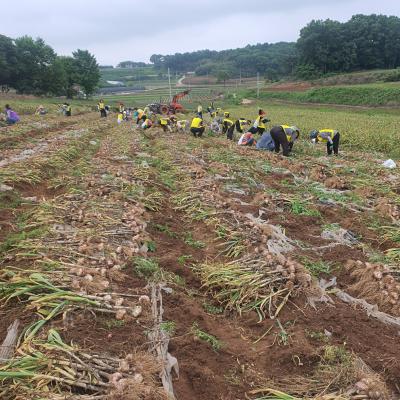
197,127
165,123
266,142
140,116
11,116
285,136
329,136
66,109
40,110
247,139
182,125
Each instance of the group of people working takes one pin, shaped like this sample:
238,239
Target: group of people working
280,136
252,133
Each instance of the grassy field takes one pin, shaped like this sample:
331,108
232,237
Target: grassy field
377,94
361,77
28,104
140,76
360,128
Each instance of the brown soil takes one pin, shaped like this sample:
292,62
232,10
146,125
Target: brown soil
246,357
12,141
290,87
201,376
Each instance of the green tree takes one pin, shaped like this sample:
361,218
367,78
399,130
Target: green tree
223,76
34,61
324,45
87,71
70,75
8,60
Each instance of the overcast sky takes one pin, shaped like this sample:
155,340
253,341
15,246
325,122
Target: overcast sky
118,30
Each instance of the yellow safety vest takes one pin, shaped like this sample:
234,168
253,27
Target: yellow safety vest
322,139
260,123
242,123
196,122
289,137
228,121
163,121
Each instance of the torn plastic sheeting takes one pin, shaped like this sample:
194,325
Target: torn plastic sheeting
389,164
340,235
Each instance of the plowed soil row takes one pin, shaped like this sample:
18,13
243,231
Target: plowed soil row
241,363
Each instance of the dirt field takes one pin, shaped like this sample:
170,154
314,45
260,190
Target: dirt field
140,247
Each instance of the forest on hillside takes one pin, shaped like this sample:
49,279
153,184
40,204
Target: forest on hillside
362,43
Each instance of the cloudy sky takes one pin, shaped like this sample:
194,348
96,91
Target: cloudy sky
117,30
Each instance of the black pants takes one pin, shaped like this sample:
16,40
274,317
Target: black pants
229,132
198,132
279,137
103,113
333,146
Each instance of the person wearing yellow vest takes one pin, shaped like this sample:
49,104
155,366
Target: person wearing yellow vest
329,136
241,124
102,108
285,136
182,125
140,115
165,123
228,126
67,109
197,127
120,117
259,124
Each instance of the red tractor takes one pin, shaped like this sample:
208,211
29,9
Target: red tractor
171,108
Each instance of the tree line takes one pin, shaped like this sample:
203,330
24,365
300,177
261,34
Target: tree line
324,46
32,67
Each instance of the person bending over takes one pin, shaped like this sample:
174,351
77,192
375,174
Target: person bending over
329,136
285,136
228,126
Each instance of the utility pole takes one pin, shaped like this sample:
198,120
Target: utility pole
258,85
169,83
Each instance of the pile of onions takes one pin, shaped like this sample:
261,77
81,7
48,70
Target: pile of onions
387,209
372,388
376,284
